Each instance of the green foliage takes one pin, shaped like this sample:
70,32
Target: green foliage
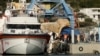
76,4
3,4
84,3
87,22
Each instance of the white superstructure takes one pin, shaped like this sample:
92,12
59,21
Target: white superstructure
21,30
93,13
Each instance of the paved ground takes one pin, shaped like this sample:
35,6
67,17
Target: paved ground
54,55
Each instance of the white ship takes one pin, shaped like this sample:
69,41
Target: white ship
21,33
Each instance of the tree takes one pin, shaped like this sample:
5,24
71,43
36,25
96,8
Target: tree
84,3
87,22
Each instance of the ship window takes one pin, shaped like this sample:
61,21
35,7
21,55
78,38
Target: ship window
22,26
33,26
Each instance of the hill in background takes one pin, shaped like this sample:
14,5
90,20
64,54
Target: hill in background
74,3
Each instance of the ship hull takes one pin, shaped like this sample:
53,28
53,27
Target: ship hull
24,44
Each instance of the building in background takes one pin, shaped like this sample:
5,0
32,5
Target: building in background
93,13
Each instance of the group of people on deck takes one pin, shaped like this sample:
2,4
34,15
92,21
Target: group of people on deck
67,37
64,38
94,37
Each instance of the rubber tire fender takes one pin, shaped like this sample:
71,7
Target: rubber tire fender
80,48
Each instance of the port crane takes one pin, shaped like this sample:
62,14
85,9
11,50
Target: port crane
58,8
